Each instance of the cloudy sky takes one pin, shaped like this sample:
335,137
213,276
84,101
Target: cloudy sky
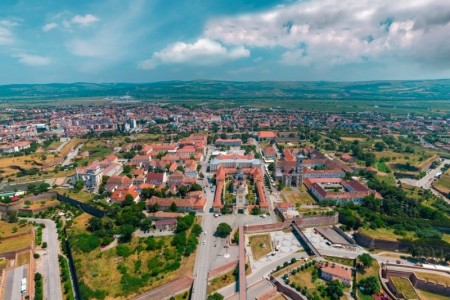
153,40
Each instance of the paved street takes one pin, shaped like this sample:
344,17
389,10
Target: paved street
71,155
427,180
49,266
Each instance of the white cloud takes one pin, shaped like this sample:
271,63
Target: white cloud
49,26
202,52
6,33
85,20
33,60
331,32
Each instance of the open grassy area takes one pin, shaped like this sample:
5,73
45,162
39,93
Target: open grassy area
404,286
41,204
81,196
288,268
298,196
371,271
3,263
382,167
443,183
343,261
384,234
23,259
80,223
100,270
13,165
221,281
16,243
430,296
399,161
446,237
70,146
261,245
434,277
12,229
54,145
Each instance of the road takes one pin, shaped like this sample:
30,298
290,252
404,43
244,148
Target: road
201,267
14,283
50,264
71,155
259,274
427,180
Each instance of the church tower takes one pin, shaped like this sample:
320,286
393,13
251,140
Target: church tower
299,170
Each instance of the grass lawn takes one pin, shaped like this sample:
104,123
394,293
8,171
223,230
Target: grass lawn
54,145
404,286
443,183
446,237
49,203
298,196
434,277
16,243
185,295
430,296
384,233
81,196
23,259
72,144
12,229
261,245
80,223
221,281
288,268
340,260
382,167
362,296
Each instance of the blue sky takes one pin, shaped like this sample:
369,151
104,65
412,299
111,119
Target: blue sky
151,40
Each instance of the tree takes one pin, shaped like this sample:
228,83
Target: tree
79,185
335,289
94,224
379,146
215,296
126,232
369,285
128,200
271,167
223,230
173,206
256,210
366,260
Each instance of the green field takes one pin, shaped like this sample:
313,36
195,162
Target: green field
404,286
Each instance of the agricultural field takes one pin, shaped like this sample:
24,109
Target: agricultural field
261,245
404,286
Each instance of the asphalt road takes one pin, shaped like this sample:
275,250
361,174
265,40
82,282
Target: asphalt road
14,283
427,180
71,155
50,268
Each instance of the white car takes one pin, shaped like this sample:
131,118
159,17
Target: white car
204,242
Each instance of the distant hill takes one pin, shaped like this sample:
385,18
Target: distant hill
204,89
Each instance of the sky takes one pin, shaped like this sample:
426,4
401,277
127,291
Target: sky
49,41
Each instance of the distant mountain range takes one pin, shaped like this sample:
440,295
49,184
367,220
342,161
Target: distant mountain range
205,89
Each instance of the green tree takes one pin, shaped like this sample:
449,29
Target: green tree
335,289
256,210
379,146
369,285
366,260
215,296
173,206
79,185
223,230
